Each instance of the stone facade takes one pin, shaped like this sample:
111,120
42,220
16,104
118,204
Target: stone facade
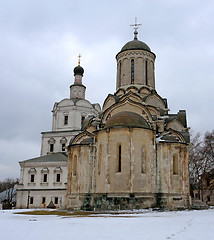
135,154
143,68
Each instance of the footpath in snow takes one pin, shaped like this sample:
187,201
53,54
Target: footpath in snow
195,225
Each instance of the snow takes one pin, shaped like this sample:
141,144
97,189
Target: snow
150,225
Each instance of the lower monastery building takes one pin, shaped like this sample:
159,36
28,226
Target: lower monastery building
131,154
43,180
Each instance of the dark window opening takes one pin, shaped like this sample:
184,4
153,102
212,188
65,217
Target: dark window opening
99,159
208,182
43,200
143,162
119,73
51,147
63,147
82,119
75,166
32,178
132,71
56,200
58,177
208,198
119,159
146,72
175,164
31,200
65,120
45,177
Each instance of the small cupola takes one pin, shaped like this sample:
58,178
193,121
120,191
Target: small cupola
78,70
77,90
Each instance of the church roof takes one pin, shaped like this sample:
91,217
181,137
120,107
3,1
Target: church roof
127,119
53,157
135,45
78,70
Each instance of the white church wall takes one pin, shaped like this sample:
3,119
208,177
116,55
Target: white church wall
83,108
57,136
40,187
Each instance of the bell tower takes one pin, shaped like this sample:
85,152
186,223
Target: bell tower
77,90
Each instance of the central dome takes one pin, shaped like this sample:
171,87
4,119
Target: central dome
127,119
135,45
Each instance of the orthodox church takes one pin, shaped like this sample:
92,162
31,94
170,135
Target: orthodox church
43,179
130,154
135,153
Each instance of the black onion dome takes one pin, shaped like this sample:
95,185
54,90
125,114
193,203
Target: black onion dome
127,119
135,45
78,70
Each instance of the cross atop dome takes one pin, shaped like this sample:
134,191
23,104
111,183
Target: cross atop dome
79,59
136,26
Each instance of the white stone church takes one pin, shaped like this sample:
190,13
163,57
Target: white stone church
44,179
131,154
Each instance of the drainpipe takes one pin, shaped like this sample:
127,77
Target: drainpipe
156,168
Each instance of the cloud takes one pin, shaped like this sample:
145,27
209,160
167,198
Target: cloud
40,42
13,151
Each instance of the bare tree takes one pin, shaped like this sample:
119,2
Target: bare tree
201,158
7,192
195,157
208,151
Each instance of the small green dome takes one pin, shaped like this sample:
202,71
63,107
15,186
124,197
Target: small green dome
135,45
127,119
78,70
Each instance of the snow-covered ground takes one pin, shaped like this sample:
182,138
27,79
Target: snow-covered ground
148,225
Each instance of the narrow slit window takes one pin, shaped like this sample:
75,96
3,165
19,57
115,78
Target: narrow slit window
51,147
32,178
119,73
82,119
175,164
99,159
56,200
75,166
119,159
45,178
146,71
66,120
132,71
63,147
31,200
143,161
58,177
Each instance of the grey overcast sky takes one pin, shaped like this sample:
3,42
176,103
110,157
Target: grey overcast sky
41,39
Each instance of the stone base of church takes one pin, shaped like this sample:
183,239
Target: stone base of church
126,201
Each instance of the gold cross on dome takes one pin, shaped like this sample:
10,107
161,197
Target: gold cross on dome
79,59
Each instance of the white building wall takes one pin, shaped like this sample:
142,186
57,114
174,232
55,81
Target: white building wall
75,113
57,136
39,189
76,109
